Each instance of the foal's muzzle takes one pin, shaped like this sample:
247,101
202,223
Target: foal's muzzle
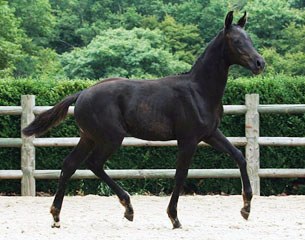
258,65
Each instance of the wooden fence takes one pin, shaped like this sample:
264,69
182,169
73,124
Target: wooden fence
252,141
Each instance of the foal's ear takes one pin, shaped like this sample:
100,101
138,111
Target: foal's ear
242,22
229,20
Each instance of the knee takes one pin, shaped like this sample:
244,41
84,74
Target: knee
241,161
238,154
69,167
181,174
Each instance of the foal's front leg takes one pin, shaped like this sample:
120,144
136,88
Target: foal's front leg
221,143
186,150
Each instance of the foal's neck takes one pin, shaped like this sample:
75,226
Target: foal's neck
210,71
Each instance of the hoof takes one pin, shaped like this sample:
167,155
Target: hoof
55,225
176,223
244,213
128,210
129,216
55,213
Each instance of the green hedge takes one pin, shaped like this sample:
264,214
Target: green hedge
273,90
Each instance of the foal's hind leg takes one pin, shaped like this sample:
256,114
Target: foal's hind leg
95,163
71,162
219,142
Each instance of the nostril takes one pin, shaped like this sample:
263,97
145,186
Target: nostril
258,64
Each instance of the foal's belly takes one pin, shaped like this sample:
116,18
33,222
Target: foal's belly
153,130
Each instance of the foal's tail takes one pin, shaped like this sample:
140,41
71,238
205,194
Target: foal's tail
51,117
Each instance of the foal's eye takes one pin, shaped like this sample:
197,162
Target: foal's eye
237,42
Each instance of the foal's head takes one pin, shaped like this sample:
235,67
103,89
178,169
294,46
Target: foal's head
240,48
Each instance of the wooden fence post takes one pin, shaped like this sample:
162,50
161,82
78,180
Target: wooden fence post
28,187
252,146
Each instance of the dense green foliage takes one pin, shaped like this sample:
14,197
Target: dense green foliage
120,52
39,38
272,90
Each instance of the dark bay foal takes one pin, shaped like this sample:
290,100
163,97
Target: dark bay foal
186,108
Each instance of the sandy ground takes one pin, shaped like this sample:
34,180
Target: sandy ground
202,217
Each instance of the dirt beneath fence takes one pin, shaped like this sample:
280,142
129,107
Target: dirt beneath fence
203,217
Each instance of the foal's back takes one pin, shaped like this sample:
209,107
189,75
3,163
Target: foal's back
147,109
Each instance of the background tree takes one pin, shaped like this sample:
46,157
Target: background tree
38,35
11,39
126,53
36,19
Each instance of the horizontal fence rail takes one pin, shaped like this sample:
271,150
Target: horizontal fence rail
158,173
135,142
28,174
